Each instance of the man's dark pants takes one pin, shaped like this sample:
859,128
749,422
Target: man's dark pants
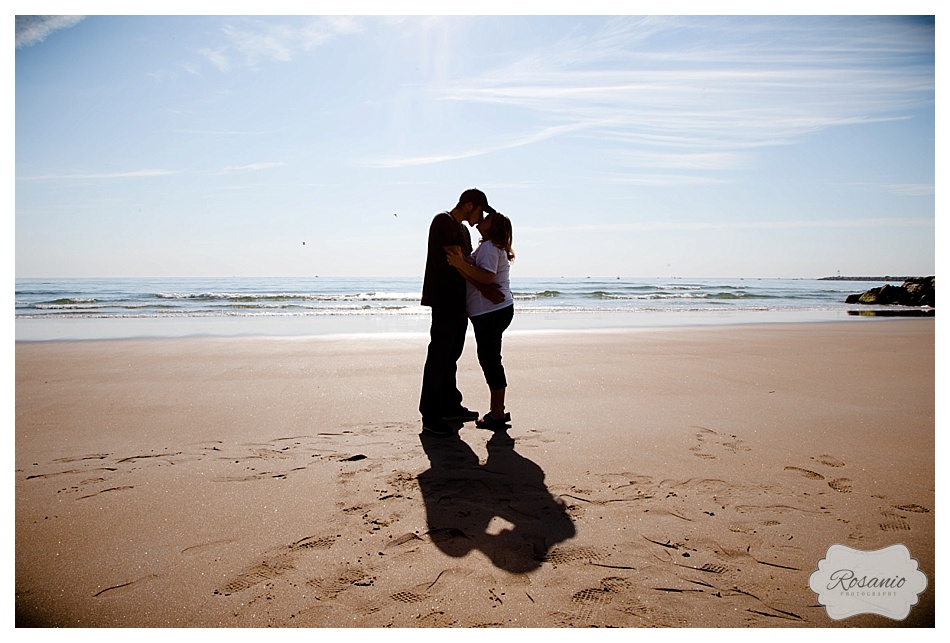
440,394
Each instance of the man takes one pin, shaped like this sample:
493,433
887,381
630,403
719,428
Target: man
443,290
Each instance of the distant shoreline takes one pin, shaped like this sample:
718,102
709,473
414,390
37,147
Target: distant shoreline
864,278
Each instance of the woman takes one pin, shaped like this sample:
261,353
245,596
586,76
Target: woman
490,264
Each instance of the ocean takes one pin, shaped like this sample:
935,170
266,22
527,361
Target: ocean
50,309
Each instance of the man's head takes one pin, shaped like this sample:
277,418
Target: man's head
474,204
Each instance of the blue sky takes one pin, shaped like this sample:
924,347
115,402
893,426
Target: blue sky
652,146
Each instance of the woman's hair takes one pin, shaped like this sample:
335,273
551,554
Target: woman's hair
500,234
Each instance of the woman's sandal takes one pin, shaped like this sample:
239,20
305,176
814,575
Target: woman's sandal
488,422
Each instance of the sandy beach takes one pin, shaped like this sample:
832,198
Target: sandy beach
675,477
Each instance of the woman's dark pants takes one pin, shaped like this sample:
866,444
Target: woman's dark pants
488,331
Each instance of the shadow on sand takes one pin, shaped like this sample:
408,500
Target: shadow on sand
462,497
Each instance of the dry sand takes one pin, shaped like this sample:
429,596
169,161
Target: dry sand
676,477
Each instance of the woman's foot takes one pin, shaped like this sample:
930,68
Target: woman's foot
492,422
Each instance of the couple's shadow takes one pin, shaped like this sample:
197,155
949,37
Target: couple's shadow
462,496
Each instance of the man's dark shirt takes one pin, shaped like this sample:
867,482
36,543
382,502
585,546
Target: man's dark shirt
443,285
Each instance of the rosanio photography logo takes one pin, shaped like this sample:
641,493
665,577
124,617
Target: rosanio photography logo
851,582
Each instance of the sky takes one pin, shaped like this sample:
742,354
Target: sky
619,145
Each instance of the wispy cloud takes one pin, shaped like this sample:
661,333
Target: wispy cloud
700,226
134,174
254,41
659,179
912,189
31,30
253,167
144,174
669,84
534,137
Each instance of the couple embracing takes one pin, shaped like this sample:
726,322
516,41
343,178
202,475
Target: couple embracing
459,285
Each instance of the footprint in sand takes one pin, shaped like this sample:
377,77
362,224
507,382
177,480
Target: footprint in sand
591,596
274,564
565,555
268,569
367,608
829,461
917,509
615,583
709,440
610,587
841,485
436,619
806,472
314,542
346,577
651,614
893,522
408,597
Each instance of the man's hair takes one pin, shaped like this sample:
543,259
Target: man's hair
476,196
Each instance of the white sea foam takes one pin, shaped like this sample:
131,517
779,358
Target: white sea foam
274,305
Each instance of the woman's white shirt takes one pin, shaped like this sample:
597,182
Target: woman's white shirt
493,259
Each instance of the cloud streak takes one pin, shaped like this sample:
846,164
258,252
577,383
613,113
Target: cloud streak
913,189
253,167
701,226
32,30
134,174
254,42
536,137
144,174
724,92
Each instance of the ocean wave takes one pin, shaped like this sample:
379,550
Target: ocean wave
254,297
299,297
544,294
68,301
664,295
741,295
637,311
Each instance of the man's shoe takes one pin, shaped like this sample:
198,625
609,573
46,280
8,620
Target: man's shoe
461,414
438,427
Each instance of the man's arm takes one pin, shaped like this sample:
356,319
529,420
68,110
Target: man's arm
491,291
482,279
473,273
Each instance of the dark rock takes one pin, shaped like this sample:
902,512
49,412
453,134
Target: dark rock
915,291
920,291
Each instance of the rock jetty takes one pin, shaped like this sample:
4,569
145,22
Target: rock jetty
915,291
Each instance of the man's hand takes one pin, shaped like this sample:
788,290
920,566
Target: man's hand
454,256
492,292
